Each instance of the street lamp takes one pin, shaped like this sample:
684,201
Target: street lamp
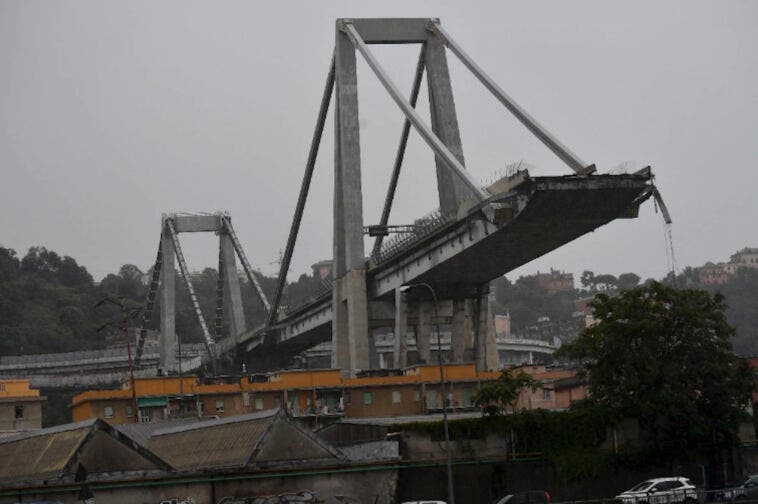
449,461
127,312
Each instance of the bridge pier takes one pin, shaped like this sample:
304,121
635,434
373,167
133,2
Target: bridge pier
232,293
485,351
476,235
460,333
423,332
167,341
400,351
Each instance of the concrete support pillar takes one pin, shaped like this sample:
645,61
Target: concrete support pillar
458,330
423,333
350,340
232,295
168,342
486,347
374,360
400,351
340,348
452,191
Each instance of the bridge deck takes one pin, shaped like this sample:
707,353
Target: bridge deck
548,213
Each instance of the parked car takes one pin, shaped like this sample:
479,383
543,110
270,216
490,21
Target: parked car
530,497
745,489
660,491
424,502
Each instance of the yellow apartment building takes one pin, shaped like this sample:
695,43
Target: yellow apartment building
20,407
320,393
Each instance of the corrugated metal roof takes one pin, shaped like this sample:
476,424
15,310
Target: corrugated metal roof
47,454
49,430
220,444
142,431
202,424
41,456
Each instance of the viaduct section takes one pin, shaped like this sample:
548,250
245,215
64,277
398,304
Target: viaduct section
451,255
418,277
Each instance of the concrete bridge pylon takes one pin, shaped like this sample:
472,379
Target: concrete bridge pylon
228,295
358,281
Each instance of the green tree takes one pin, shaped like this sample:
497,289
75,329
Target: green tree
628,281
588,280
663,356
499,395
526,301
605,282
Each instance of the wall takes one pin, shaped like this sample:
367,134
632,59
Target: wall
32,414
357,487
411,401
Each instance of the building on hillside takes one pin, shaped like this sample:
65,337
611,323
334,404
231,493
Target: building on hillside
582,309
20,407
322,269
714,274
316,397
719,274
556,281
747,257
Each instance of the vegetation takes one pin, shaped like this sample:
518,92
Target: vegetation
527,301
499,395
47,302
663,356
571,440
741,297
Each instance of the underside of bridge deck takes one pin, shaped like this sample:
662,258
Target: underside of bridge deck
470,252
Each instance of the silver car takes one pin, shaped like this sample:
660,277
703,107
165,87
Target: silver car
660,491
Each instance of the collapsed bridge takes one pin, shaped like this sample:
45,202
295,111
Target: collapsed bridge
429,275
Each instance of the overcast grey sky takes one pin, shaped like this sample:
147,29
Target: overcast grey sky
114,112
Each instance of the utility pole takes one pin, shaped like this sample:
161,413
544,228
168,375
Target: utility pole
126,314
448,455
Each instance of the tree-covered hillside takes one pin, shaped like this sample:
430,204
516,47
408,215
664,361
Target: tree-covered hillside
47,302
527,301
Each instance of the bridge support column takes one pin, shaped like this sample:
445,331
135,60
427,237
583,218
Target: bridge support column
350,341
168,341
232,294
452,191
423,333
486,347
400,351
459,335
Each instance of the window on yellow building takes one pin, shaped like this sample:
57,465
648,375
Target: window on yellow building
258,403
2,387
219,406
396,396
108,412
368,398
